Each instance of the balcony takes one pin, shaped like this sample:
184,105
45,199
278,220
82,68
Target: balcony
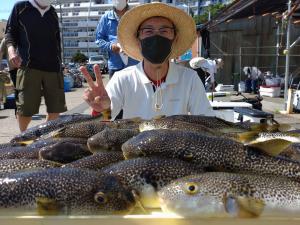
87,44
89,24
81,14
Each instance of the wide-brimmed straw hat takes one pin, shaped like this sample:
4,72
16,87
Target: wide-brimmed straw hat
132,19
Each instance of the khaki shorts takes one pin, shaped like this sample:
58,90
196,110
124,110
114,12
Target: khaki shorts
31,84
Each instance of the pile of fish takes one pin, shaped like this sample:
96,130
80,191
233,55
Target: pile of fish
192,166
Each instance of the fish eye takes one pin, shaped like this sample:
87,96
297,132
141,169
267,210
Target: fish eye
191,188
100,197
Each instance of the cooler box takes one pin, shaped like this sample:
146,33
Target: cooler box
296,101
270,91
252,115
222,87
224,110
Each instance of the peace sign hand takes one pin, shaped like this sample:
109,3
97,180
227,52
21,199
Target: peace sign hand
96,95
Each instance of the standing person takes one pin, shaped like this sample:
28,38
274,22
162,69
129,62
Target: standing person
11,68
153,33
253,75
204,66
107,40
33,42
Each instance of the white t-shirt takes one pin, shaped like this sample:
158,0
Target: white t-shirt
181,93
208,65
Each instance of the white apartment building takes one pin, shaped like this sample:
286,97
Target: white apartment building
79,19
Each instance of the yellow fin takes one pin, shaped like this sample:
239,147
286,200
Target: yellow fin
47,206
56,133
243,207
106,114
285,127
247,136
271,147
158,117
136,119
139,204
231,130
26,142
259,127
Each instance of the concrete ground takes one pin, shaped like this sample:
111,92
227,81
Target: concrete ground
75,104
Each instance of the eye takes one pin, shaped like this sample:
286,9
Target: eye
100,198
191,188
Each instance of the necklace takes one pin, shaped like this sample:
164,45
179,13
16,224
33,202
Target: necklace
158,101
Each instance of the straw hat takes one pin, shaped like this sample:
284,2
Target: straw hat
131,20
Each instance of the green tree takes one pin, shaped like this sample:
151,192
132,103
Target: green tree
213,9
79,58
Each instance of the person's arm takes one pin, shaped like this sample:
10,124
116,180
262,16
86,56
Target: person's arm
198,101
57,35
11,36
102,34
11,31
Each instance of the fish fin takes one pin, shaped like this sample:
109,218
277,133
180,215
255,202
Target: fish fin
137,119
265,127
106,115
231,130
275,127
26,142
186,155
271,147
56,133
138,201
247,136
243,207
285,127
47,206
159,117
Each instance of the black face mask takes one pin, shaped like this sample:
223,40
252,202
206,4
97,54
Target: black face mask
156,48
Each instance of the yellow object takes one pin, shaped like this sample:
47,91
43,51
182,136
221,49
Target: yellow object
285,51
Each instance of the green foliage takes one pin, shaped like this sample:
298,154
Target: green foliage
213,9
79,58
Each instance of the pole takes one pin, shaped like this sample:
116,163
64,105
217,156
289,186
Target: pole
87,29
287,57
62,36
277,48
240,56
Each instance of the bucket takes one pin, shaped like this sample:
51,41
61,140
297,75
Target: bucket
67,84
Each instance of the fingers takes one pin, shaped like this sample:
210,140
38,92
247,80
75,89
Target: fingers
115,48
88,95
16,61
98,75
87,76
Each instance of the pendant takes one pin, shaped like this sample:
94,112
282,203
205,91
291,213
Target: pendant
158,107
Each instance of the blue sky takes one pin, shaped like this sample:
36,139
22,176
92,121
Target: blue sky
6,7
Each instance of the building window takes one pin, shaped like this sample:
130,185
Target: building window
75,13
76,4
66,5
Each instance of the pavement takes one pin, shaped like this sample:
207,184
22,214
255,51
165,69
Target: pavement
75,104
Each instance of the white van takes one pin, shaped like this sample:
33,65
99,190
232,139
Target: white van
100,60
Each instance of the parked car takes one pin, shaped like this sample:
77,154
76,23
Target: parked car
100,60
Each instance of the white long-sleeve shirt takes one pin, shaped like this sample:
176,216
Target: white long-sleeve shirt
181,93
